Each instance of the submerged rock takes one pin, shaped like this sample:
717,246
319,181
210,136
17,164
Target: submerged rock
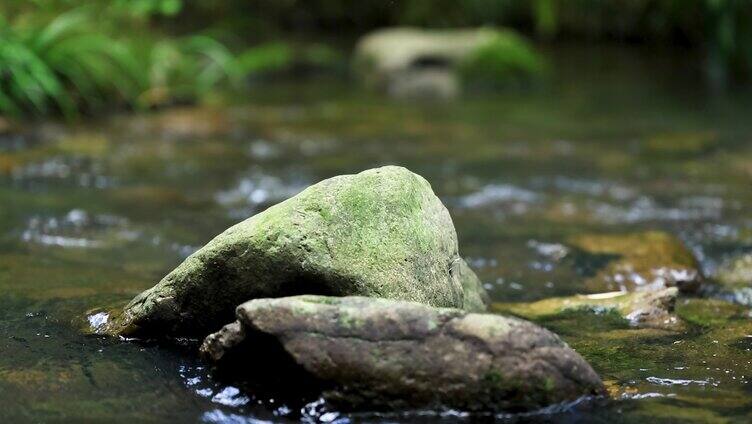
734,280
736,272
380,353
380,233
652,309
644,261
412,62
680,144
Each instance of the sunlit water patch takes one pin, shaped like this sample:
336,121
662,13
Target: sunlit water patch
501,194
78,229
258,191
73,170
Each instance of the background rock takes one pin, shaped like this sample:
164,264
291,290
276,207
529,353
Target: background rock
651,260
425,63
734,280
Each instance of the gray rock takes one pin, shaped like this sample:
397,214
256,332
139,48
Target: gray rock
412,62
380,233
380,353
734,280
436,63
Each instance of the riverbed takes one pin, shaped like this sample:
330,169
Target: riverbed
96,211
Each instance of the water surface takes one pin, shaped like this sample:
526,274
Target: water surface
618,141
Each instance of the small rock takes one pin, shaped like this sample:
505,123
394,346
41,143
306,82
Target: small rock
380,233
650,309
736,272
734,280
644,261
380,353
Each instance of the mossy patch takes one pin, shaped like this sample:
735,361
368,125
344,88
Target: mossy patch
645,309
709,312
380,233
680,144
507,59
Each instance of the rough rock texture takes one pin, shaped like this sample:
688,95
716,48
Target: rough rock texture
653,309
380,233
475,297
380,353
645,261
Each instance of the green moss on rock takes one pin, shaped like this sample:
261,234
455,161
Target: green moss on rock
380,233
641,309
506,58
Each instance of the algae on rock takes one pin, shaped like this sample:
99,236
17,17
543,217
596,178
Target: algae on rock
654,309
380,233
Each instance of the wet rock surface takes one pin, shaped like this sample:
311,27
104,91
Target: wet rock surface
645,261
380,353
380,233
654,309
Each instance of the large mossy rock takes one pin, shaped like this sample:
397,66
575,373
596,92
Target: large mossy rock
380,233
380,353
643,261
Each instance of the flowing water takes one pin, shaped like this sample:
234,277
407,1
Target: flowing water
618,141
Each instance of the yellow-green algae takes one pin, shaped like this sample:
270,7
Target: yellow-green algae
645,309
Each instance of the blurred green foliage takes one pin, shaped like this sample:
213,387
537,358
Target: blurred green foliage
721,29
73,56
68,57
39,62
